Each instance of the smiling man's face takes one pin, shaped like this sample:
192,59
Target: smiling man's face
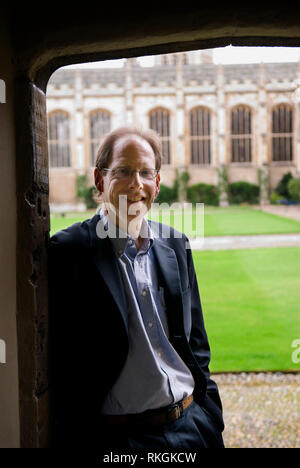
133,196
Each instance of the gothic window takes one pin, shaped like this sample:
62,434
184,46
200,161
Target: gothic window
282,133
100,125
59,139
241,135
160,122
200,128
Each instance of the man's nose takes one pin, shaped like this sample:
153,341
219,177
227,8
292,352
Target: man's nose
136,180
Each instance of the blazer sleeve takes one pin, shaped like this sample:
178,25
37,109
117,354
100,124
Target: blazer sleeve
60,303
63,341
200,347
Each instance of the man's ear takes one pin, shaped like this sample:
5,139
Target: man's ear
98,180
157,185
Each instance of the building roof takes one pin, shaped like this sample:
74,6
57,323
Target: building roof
165,75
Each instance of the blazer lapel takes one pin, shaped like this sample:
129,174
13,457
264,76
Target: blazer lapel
169,270
107,265
168,265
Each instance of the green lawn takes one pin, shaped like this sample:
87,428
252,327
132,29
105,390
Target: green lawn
229,221
217,221
58,222
250,298
251,306
237,220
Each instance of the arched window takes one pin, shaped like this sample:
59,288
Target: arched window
241,135
160,122
59,139
100,124
200,126
282,133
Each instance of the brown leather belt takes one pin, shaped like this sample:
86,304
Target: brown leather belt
156,417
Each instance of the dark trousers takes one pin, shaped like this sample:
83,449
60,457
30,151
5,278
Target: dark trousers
194,430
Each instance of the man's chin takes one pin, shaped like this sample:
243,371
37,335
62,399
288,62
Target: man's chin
131,221
136,209
128,217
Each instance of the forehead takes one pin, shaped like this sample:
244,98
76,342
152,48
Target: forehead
132,148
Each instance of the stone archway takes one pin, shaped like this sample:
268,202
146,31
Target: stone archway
74,37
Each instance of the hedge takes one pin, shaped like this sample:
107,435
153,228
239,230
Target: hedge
203,193
166,194
243,192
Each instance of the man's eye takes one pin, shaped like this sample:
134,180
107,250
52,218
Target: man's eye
146,173
122,172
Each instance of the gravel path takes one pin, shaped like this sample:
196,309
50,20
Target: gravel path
260,410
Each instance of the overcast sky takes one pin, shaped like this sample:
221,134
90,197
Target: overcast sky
224,55
231,54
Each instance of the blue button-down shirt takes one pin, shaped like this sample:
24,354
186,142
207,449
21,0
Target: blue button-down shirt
154,375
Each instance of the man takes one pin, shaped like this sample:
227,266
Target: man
128,350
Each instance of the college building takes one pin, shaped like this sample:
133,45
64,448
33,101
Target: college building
241,120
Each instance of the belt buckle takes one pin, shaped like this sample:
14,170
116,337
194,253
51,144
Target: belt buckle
178,407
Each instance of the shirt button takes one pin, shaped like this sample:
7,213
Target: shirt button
144,292
150,324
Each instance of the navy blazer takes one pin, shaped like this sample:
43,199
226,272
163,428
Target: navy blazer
88,329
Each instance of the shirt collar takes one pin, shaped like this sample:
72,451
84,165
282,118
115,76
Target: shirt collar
120,239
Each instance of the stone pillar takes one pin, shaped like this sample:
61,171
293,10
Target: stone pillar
221,116
221,157
263,180
9,393
262,151
33,234
79,163
262,154
179,160
223,185
297,121
129,90
180,153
